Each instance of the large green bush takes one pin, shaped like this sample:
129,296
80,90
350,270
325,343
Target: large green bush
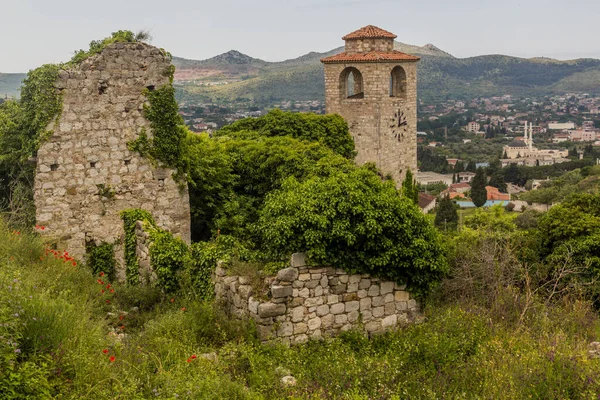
353,220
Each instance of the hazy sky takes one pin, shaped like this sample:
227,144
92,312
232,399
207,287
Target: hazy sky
34,32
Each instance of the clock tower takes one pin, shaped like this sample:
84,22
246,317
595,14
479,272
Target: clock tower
374,88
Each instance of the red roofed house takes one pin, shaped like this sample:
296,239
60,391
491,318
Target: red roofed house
494,194
462,187
427,202
374,88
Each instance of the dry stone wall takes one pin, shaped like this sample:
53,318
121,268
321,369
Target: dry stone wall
366,45
85,173
303,302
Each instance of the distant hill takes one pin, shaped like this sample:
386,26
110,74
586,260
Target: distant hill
10,84
236,76
441,76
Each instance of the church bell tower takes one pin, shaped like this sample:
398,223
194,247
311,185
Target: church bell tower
374,88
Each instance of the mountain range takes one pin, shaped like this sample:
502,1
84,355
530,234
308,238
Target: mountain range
234,76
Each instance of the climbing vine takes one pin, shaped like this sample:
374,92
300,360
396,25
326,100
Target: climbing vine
168,255
168,129
96,46
130,217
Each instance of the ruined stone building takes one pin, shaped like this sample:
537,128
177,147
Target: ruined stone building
86,175
374,88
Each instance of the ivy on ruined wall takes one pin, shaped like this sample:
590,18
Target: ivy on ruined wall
167,144
130,217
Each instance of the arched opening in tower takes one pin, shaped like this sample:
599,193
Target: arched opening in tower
398,82
351,84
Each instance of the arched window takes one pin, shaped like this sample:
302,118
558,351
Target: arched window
351,84
398,82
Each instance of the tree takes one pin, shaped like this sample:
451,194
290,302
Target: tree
471,166
497,181
446,216
410,189
478,192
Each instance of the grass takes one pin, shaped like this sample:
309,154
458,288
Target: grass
55,315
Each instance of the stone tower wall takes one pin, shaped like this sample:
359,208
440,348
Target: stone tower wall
366,45
373,119
85,173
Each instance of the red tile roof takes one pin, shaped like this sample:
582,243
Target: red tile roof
370,32
370,57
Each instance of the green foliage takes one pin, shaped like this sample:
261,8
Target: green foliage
130,217
353,220
101,258
410,189
494,219
23,127
446,215
478,191
96,46
168,130
330,130
168,256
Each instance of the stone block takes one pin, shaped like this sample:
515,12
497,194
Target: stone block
304,292
314,323
311,284
389,321
253,305
365,304
304,277
343,278
352,287
339,289
389,308
271,310
412,304
387,287
349,297
324,282
298,284
341,319
377,301
352,306
322,310
332,299
303,338
313,301
364,283
401,305
327,320
378,312
220,272
300,328
288,274
337,308
401,296
281,291
245,291
374,290
265,332
353,316
354,279
319,291
298,260
285,329
373,327
361,294
389,298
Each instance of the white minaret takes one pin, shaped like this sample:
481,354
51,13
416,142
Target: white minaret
531,137
525,133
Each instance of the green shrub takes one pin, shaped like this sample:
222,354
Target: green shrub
357,222
130,217
101,258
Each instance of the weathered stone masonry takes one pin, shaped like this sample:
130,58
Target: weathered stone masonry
305,302
379,103
85,173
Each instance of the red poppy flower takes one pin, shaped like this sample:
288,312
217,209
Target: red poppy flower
112,290
42,227
105,351
194,357
112,358
41,258
101,273
102,291
121,317
172,300
107,301
74,263
183,309
122,327
189,360
108,286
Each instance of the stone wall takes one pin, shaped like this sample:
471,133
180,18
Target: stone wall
142,252
373,120
85,173
303,302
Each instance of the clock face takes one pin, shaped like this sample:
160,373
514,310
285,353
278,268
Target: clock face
399,125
